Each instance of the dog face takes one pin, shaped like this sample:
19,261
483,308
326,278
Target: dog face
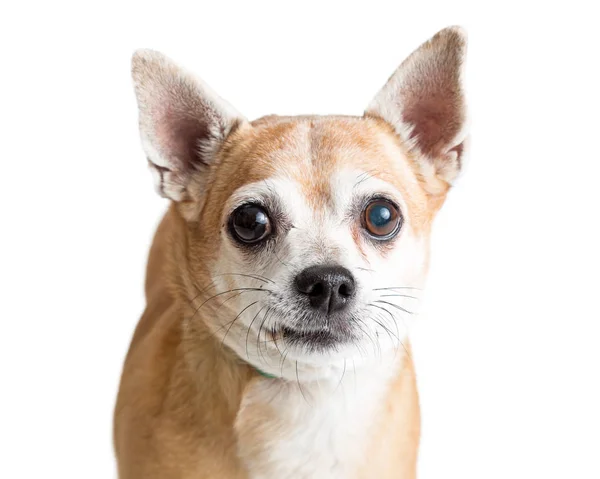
307,237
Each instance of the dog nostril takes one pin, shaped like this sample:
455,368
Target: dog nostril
316,290
344,290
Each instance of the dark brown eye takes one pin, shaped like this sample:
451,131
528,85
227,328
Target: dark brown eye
382,219
250,223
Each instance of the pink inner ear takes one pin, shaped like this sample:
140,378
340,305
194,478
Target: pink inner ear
436,119
179,134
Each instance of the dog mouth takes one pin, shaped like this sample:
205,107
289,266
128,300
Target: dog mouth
320,339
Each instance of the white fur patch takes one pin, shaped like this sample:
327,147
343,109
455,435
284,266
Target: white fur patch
318,429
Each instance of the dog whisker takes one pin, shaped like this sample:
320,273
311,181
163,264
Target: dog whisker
386,329
396,336
190,321
393,319
299,385
281,261
250,329
264,279
397,287
399,295
342,378
258,336
369,270
274,334
235,319
231,291
376,344
214,334
283,358
394,306
364,177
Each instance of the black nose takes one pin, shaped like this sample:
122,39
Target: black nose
329,288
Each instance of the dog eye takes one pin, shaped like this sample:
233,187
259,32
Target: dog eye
250,223
382,219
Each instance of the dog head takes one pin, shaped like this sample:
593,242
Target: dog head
306,237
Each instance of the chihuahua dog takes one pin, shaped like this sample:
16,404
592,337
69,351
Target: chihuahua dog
282,279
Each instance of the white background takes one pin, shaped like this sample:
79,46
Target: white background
507,347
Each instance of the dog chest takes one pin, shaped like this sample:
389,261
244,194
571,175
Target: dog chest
286,429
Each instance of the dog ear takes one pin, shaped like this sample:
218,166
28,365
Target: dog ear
425,103
182,122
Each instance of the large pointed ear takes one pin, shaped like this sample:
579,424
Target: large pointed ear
424,101
182,122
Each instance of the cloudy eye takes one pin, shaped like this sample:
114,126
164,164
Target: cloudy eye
250,223
382,219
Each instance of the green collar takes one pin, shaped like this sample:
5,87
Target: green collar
265,375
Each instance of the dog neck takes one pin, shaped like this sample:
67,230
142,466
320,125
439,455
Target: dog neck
285,428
